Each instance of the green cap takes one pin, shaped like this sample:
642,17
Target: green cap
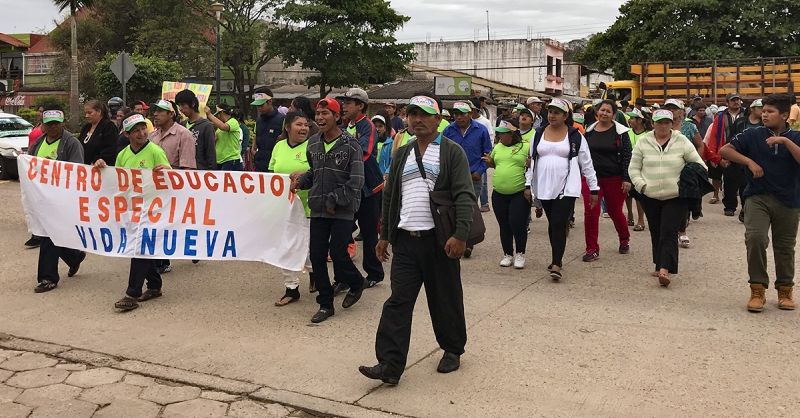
133,120
757,103
462,107
260,98
578,117
520,107
662,114
505,127
164,105
635,113
427,104
52,116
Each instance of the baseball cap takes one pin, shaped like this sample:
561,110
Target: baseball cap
732,96
526,111
260,98
380,118
635,113
144,105
757,103
560,104
390,104
520,107
462,107
533,99
132,121
427,104
330,104
355,93
578,117
53,116
505,127
662,114
222,107
445,112
673,102
164,105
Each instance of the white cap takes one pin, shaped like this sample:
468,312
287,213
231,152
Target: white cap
533,99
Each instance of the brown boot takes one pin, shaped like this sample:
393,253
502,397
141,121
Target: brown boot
757,298
785,301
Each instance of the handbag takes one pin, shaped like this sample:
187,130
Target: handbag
443,211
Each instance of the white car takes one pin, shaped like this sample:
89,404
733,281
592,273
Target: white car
13,142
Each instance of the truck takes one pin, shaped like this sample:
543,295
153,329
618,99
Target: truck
752,78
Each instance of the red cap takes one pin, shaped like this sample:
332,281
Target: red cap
331,104
144,105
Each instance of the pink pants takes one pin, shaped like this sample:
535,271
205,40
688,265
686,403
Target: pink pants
611,192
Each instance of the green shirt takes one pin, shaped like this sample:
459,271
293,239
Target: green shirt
634,137
287,160
443,124
329,145
228,143
149,156
405,138
509,170
528,136
49,151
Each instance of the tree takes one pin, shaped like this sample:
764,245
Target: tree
73,6
347,42
650,30
145,84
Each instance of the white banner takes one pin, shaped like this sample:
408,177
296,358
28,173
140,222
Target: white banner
174,214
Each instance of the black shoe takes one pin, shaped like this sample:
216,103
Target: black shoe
322,314
378,372
449,363
729,212
166,268
45,286
372,283
340,287
73,270
34,242
468,253
741,216
352,297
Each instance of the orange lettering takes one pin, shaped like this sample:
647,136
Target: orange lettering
277,190
208,176
55,175
120,206
247,183
83,205
230,184
32,169
188,213
152,215
176,180
103,203
136,180
193,179
97,179
172,203
207,219
68,168
136,208
122,179
43,171
81,181
158,180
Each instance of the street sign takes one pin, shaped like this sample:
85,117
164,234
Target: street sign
452,86
123,68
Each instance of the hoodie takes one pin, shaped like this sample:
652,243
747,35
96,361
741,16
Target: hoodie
205,143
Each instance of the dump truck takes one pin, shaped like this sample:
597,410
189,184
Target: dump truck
752,78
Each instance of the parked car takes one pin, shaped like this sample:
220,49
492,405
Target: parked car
13,142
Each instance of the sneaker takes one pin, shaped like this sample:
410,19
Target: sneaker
164,269
624,248
33,242
684,241
591,256
45,286
485,208
606,215
729,212
519,261
506,261
352,249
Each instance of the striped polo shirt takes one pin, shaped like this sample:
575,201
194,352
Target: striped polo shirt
415,204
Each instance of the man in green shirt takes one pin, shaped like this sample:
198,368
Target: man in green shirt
229,138
141,154
56,144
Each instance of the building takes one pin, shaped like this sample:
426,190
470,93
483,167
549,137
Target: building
26,64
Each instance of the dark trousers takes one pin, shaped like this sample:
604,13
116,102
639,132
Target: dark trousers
665,218
558,212
332,235
512,212
417,262
49,254
233,165
733,181
367,216
143,269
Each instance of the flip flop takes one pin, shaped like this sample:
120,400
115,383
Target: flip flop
663,279
285,300
638,228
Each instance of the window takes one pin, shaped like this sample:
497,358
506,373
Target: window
558,67
39,64
549,65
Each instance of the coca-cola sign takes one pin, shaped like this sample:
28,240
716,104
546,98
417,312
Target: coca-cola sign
15,101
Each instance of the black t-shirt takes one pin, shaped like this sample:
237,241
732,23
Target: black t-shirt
781,171
604,148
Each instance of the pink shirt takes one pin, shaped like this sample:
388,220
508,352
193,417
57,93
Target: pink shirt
178,144
34,135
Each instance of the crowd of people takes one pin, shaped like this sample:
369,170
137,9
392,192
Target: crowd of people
377,175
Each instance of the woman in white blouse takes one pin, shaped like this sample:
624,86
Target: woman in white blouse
559,157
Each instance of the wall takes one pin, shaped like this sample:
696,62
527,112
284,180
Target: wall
497,60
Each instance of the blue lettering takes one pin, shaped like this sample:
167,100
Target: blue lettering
148,242
94,240
230,245
190,243
81,234
167,249
123,240
108,241
211,242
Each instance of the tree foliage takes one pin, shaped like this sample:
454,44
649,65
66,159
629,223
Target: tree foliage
651,30
145,84
347,42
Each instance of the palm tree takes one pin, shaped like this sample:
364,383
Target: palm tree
73,6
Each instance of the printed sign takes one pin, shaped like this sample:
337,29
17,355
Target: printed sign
203,91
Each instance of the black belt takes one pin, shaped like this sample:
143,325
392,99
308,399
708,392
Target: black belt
418,234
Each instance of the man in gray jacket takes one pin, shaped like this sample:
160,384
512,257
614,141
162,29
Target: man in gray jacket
335,179
56,144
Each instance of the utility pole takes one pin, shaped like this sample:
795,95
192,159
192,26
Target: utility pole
487,26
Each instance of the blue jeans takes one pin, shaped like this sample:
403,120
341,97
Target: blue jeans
484,196
232,165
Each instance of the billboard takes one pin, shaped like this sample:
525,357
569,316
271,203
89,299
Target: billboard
452,86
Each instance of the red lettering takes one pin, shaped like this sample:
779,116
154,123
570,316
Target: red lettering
32,169
81,181
230,184
152,215
193,179
175,179
262,186
120,206
122,179
97,179
136,180
277,190
83,205
172,203
55,175
136,209
207,177
103,203
68,168
188,213
158,180
43,171
207,219
247,183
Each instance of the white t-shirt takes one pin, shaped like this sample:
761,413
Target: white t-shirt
415,203
551,168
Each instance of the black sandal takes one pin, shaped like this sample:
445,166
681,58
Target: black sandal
291,296
44,286
554,275
126,304
150,294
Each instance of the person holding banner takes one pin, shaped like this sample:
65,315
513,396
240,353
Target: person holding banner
229,138
202,130
141,153
335,178
269,125
56,144
288,157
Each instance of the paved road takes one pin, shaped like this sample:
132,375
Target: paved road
607,341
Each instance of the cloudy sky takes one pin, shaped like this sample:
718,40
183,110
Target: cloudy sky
430,19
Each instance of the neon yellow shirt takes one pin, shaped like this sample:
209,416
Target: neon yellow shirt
443,124
287,160
228,146
49,151
528,136
149,156
509,171
329,145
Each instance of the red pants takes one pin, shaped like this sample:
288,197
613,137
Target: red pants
611,192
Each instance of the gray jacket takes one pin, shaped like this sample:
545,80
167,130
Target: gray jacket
335,178
205,143
69,149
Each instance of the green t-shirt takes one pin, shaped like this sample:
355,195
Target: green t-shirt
49,151
229,144
351,129
509,171
443,124
287,160
149,156
527,137
329,145
634,137
405,138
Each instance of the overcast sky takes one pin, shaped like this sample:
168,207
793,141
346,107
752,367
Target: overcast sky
437,19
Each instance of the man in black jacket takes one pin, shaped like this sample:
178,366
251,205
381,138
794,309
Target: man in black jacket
202,130
269,126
